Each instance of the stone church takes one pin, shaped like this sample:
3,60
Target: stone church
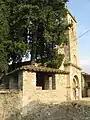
37,83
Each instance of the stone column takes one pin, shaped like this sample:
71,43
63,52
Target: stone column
53,82
46,83
10,83
29,86
50,83
20,80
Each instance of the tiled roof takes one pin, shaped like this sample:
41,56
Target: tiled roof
85,74
42,69
34,68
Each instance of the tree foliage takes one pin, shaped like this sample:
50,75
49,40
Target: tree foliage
37,26
4,30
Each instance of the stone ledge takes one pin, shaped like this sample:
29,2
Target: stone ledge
4,91
9,91
68,64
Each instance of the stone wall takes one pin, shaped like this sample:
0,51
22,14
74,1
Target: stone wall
31,93
73,43
74,72
10,103
71,61
18,97
84,85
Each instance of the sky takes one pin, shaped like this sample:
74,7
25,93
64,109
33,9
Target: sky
81,10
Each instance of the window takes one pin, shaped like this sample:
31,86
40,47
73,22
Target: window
72,30
45,81
75,87
89,84
4,84
39,80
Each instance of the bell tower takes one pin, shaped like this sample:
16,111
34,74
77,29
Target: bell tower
71,60
71,49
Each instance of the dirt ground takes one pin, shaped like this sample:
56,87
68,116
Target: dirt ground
78,110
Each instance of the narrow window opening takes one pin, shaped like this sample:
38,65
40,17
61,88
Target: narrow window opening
39,80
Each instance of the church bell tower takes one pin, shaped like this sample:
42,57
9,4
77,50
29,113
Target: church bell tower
71,61
71,49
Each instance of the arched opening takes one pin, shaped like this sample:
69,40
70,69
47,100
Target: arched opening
75,87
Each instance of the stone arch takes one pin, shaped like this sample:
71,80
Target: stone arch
75,87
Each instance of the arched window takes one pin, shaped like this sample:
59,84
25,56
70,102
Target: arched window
72,30
75,60
75,87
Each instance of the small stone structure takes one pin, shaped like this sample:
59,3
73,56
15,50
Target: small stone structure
85,85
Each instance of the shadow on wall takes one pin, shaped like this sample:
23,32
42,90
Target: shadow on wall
64,111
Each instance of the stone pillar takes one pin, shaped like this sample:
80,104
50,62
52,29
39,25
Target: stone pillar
20,80
10,83
29,86
80,87
77,93
88,92
50,83
46,83
53,82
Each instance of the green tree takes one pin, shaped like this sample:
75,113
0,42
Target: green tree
48,28
4,30
36,26
17,44
42,24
